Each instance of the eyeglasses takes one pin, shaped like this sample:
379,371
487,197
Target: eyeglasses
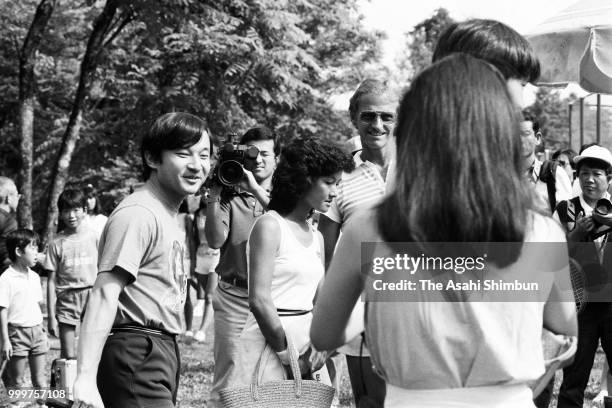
371,116
562,163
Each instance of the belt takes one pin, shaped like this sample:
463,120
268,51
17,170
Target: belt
239,282
291,312
142,330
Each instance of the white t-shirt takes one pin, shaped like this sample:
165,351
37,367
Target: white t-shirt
21,294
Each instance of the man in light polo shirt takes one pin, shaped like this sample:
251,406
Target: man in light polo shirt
372,111
128,355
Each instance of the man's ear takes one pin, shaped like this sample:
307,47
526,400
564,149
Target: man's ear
150,160
538,136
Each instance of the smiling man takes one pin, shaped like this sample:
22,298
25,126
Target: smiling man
128,355
372,112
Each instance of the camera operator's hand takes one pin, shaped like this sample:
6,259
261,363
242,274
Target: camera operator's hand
248,181
584,225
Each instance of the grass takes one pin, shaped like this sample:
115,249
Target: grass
197,372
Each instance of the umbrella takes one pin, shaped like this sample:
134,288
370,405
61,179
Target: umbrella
576,46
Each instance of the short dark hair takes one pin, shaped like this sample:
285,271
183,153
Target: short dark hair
171,131
570,153
20,238
71,198
303,160
369,86
261,133
494,42
535,125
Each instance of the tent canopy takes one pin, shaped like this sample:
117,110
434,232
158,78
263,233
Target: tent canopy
576,46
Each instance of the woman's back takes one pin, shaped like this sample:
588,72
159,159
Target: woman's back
468,343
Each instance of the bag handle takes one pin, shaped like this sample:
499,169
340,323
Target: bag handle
295,369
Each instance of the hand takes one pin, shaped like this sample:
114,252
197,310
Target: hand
248,181
7,350
317,359
584,225
85,394
53,327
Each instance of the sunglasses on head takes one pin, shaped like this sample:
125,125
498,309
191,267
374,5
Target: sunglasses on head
371,116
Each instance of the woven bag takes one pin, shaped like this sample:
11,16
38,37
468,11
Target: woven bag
296,393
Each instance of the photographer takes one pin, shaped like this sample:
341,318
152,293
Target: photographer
588,245
231,212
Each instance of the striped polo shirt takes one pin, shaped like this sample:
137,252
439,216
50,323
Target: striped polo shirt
362,188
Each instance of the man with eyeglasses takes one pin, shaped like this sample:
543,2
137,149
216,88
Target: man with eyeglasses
372,112
9,199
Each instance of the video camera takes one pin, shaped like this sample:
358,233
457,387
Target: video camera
232,157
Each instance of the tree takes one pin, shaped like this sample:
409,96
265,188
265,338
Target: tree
27,83
420,43
105,29
551,112
236,63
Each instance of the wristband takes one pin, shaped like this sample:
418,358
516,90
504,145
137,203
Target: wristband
211,200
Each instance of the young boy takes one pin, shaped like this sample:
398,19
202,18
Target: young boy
71,262
22,333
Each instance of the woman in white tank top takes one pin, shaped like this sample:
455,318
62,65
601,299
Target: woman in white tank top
285,257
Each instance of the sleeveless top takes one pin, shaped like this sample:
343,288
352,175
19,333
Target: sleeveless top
298,269
437,345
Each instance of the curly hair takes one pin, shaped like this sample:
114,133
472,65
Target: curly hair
302,161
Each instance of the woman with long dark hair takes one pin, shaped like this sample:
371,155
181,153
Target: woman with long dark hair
461,184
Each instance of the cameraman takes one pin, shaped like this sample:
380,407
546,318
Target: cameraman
231,213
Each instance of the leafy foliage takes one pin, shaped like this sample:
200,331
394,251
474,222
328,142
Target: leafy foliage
420,43
236,63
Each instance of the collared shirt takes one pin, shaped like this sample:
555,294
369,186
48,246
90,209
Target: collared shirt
563,186
362,188
21,294
238,214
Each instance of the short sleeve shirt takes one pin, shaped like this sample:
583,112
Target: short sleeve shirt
142,236
21,294
238,214
362,188
74,259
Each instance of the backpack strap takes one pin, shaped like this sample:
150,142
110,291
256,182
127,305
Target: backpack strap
548,173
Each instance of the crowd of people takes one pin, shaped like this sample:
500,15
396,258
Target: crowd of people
275,257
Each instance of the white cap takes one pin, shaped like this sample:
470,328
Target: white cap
597,153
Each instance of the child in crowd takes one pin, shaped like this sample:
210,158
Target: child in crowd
22,333
71,262
95,219
207,259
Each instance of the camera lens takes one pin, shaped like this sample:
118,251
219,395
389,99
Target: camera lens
252,152
230,172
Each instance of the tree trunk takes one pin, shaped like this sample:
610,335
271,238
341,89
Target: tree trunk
96,44
27,84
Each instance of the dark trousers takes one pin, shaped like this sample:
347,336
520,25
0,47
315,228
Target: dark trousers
369,389
594,324
139,370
